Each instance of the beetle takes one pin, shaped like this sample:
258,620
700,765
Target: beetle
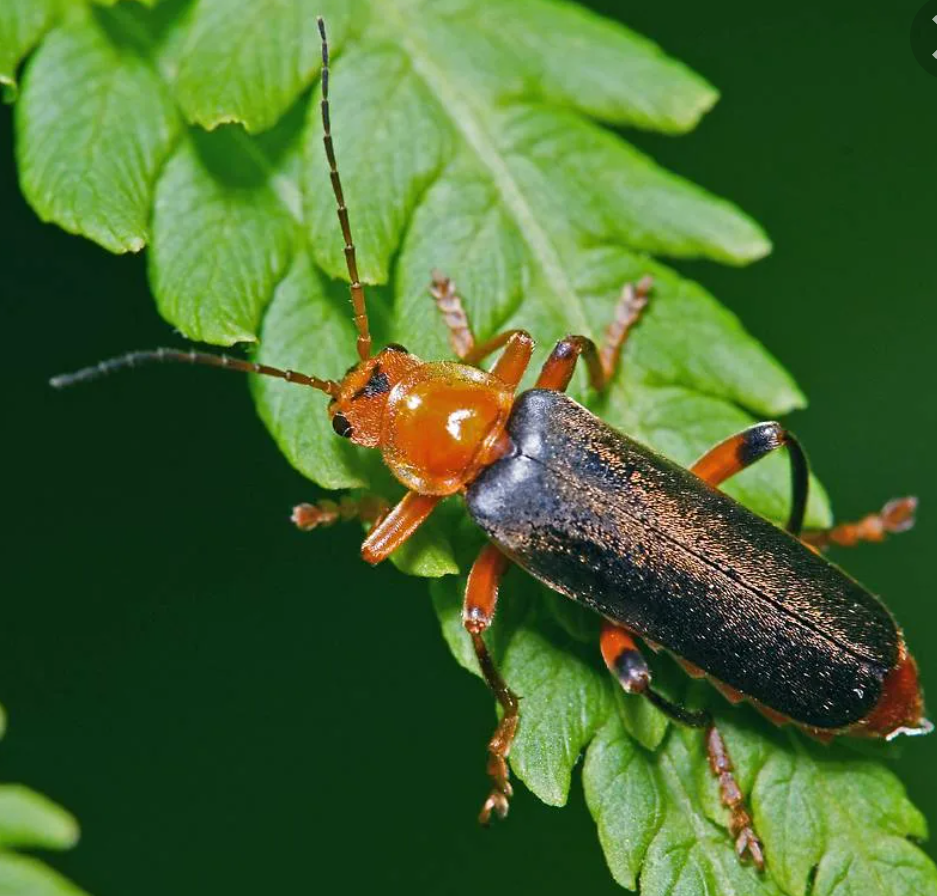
656,549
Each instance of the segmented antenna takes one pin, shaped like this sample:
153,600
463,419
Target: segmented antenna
351,260
170,355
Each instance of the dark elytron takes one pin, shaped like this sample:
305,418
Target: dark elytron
651,546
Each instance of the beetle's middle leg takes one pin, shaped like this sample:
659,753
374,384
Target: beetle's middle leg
478,609
626,663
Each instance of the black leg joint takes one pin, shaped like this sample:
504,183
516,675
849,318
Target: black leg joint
632,671
688,717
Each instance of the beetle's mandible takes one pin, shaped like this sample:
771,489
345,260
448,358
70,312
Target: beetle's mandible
654,548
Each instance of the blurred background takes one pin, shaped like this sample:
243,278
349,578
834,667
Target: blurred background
230,706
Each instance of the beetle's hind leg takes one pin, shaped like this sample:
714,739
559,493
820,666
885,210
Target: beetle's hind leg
478,609
896,516
734,454
737,452
626,663
601,363
740,821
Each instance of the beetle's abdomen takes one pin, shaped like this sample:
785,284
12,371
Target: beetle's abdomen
606,521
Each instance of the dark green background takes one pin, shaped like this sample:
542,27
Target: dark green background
232,707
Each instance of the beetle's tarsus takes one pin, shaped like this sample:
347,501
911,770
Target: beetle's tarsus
747,844
368,508
631,304
449,303
895,517
498,801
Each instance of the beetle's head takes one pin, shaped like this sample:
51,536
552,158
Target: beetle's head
357,406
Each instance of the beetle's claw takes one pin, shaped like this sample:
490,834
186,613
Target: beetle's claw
747,845
498,801
898,515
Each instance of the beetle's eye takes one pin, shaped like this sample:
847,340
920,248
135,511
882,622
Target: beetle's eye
341,425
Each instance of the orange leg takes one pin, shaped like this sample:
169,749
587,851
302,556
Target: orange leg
600,363
397,526
742,450
518,345
367,508
740,821
558,369
626,663
478,609
623,658
512,364
896,516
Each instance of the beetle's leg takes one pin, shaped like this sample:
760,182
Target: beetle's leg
478,609
461,337
512,363
895,516
740,821
558,369
600,362
631,304
397,525
518,345
742,450
626,663
367,508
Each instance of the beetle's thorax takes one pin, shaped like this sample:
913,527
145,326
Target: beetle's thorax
442,423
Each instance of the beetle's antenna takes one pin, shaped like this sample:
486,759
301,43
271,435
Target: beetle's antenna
169,355
351,260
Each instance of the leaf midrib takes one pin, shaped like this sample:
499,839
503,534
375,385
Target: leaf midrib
464,116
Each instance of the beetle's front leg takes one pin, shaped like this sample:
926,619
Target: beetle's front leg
517,344
397,525
600,362
478,609
626,663
367,508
